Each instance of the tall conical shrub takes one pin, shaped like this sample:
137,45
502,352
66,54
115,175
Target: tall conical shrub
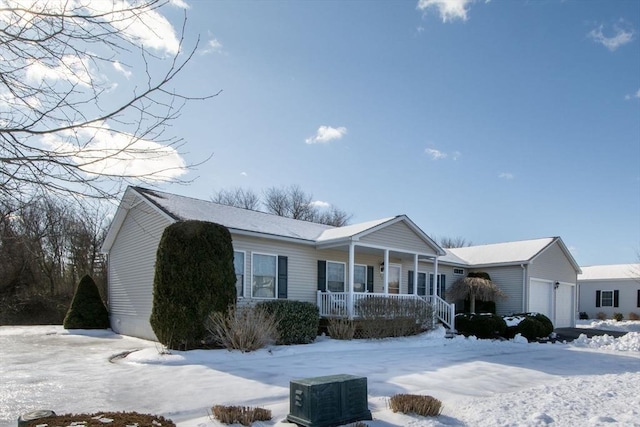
87,310
194,277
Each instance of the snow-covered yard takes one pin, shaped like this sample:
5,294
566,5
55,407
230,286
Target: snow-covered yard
481,383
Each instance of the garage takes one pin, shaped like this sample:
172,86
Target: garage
555,302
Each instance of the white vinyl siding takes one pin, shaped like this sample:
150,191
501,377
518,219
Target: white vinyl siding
509,279
552,264
131,266
398,236
627,296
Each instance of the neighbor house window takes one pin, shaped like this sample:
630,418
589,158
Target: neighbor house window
442,285
606,299
264,273
458,271
238,265
359,278
335,276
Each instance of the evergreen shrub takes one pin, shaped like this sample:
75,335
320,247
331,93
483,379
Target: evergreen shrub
298,321
194,277
87,310
481,325
533,326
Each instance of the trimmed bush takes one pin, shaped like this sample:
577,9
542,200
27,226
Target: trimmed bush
244,415
584,315
481,325
618,316
381,317
427,406
480,275
242,328
194,277
297,320
532,326
87,310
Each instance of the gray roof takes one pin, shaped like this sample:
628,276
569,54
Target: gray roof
238,219
610,272
498,253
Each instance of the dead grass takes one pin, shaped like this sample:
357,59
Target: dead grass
244,415
341,328
103,419
427,406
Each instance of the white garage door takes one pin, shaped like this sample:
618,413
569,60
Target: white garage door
564,306
541,297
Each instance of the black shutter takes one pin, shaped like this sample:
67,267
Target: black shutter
638,303
410,282
370,279
431,284
597,298
282,276
616,298
322,276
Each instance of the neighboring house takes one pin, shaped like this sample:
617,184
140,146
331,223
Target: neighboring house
334,267
609,289
537,275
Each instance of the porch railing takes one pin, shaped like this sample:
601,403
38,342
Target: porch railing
338,304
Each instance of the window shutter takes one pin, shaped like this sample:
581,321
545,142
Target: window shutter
370,279
638,303
430,284
322,276
410,282
597,298
616,298
282,276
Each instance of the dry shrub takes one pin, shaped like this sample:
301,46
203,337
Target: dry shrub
633,316
102,419
341,328
382,317
243,328
244,415
427,406
601,315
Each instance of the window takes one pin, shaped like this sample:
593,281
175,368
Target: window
359,278
238,265
394,279
264,270
442,285
335,276
458,271
606,299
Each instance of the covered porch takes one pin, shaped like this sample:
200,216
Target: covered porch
403,256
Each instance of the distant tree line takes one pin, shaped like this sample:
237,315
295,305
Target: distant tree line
290,202
46,246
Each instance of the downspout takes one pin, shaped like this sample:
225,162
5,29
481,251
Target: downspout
386,271
415,274
524,287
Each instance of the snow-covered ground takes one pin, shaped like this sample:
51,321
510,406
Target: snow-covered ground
591,382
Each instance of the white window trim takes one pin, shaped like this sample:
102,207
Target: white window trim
344,275
399,278
457,270
602,298
275,287
244,271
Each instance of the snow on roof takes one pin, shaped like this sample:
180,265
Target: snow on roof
187,208
497,253
350,230
610,272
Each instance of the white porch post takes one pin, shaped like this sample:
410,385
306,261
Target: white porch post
435,276
351,272
386,271
415,274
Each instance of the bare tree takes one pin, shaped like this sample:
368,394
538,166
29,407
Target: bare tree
290,202
454,242
62,127
238,197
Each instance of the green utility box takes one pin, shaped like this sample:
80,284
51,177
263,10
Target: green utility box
328,401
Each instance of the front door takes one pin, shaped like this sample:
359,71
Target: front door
394,279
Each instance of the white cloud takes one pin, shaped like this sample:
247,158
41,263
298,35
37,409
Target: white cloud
213,46
449,10
119,154
506,175
436,154
635,95
326,134
243,174
320,204
619,38
70,68
118,66
180,3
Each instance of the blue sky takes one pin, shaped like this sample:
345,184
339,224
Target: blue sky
493,121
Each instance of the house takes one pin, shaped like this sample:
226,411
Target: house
333,267
538,275
609,289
